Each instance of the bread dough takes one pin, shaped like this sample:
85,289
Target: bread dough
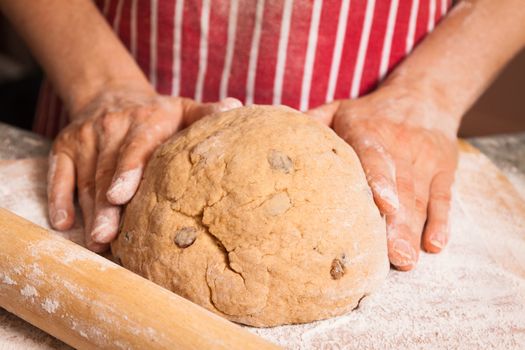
259,214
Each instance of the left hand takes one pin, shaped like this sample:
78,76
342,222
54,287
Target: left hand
104,150
408,149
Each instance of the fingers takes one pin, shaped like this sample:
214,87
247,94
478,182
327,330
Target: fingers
86,166
422,189
193,111
403,241
106,222
127,179
324,113
134,153
380,174
134,156
106,216
137,150
60,191
437,230
87,204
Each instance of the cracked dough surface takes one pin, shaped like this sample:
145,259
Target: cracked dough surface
260,215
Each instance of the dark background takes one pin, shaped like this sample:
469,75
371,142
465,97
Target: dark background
500,110
20,79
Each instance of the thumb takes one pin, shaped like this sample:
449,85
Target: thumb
193,111
324,113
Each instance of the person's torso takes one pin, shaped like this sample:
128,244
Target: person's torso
300,53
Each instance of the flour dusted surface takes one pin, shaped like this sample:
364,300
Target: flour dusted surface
469,296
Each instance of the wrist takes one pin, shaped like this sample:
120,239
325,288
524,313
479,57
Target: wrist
85,92
421,102
423,87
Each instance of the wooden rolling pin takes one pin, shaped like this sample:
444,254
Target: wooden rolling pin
91,303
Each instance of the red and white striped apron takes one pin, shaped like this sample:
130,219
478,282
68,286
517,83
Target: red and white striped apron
301,53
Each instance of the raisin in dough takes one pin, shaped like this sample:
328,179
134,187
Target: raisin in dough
260,215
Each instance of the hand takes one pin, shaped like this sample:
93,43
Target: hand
106,148
408,150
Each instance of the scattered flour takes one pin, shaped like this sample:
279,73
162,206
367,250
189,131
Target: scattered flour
29,291
68,257
50,305
469,296
7,280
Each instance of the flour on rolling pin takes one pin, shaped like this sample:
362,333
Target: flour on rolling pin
33,276
24,193
68,257
92,303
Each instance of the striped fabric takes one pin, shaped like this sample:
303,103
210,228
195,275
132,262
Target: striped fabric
300,53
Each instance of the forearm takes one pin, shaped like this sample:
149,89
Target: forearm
455,63
75,46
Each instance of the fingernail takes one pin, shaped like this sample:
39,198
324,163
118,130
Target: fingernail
403,253
59,217
387,195
229,103
123,188
438,240
101,231
105,227
390,197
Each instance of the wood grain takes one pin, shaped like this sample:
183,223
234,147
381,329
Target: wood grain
91,303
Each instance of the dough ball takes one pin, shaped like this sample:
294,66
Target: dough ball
261,215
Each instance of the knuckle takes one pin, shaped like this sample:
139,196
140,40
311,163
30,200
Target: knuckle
51,196
405,184
56,195
85,132
109,122
145,112
130,148
133,144
85,199
183,102
374,152
63,141
85,186
103,174
378,181
379,166
441,196
370,146
59,145
421,205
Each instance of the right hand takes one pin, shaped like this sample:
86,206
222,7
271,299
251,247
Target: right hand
103,153
407,145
